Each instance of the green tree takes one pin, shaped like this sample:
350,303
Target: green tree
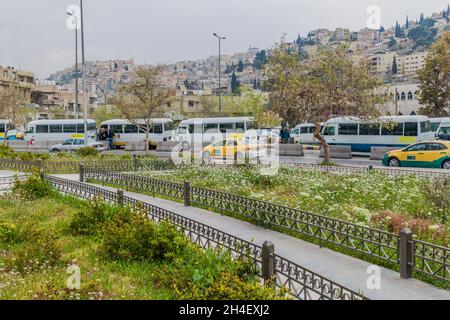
394,66
435,79
332,83
240,66
392,42
106,112
139,99
260,60
235,84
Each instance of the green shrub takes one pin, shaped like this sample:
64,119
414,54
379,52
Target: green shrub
229,286
89,220
129,236
7,152
33,188
86,152
40,250
8,232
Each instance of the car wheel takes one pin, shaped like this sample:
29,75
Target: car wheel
446,165
186,146
394,162
206,157
240,157
55,150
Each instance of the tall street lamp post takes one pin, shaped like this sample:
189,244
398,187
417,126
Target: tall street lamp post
220,71
83,61
76,62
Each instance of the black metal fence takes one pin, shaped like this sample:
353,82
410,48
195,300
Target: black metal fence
60,167
7,183
301,282
426,174
425,258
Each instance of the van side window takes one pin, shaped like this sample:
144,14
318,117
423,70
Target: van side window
397,130
304,130
240,127
41,129
56,128
411,129
329,131
210,128
70,128
158,128
369,129
348,129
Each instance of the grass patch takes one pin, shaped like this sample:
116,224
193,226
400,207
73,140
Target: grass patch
119,252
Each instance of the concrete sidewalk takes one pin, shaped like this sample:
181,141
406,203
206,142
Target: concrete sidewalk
345,270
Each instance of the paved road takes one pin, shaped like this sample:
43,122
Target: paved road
345,270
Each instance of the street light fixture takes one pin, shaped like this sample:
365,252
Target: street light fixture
220,71
76,61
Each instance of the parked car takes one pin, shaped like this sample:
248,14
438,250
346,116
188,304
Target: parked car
76,144
428,154
233,149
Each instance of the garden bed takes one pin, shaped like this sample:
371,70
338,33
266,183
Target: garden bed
369,198
120,254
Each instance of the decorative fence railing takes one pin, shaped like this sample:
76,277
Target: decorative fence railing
55,167
426,258
302,283
7,183
435,174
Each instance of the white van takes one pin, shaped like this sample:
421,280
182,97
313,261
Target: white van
203,131
125,131
304,133
59,130
399,131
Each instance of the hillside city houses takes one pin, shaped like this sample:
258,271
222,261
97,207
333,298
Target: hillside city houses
395,55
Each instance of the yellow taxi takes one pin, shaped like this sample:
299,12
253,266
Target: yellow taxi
427,154
233,148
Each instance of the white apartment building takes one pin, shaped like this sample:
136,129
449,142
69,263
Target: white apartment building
410,64
407,65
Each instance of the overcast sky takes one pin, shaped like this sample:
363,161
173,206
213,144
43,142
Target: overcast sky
34,36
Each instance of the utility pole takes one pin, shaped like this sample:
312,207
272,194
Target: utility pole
76,63
220,71
83,61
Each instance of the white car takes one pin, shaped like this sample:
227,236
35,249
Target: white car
76,144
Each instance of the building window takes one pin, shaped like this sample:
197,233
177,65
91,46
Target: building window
403,96
410,95
191,103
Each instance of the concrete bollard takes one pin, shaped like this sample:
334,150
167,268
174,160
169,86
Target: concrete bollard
268,261
187,194
406,253
81,173
120,197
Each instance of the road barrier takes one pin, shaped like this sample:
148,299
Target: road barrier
302,283
338,152
425,258
166,146
291,150
377,153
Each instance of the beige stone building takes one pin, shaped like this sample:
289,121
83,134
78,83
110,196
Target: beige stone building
19,79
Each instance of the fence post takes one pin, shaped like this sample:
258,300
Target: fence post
187,194
120,197
406,253
268,261
135,163
81,172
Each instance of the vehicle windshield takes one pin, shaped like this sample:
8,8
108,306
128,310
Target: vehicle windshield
30,130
